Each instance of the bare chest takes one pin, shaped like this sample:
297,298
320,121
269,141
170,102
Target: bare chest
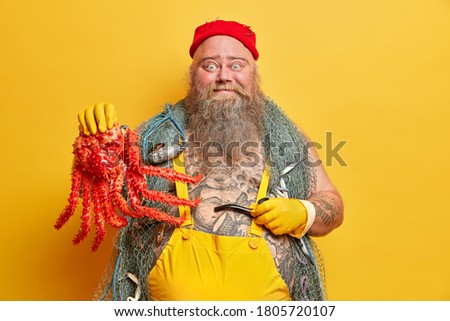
220,186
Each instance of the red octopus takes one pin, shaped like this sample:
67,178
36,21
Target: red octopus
103,164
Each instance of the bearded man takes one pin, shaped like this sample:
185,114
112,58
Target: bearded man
262,195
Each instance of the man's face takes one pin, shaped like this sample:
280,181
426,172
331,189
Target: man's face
223,62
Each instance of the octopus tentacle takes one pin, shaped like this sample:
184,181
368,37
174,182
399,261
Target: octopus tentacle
167,198
69,210
156,214
85,216
169,174
139,185
118,199
133,195
110,215
98,218
135,190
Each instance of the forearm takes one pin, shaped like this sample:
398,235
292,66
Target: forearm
329,212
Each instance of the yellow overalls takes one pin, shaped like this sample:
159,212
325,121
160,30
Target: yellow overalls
200,266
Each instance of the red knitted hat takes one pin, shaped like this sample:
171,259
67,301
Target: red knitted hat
225,28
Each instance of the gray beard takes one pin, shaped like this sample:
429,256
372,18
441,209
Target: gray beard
225,131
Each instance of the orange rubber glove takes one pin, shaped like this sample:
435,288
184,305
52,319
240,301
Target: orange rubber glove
97,118
285,216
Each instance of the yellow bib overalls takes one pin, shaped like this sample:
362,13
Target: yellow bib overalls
197,266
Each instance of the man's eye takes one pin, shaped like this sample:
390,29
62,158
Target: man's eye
211,67
236,66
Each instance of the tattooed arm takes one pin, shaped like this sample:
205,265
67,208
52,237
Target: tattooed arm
326,200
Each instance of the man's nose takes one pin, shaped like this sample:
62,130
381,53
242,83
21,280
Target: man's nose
224,75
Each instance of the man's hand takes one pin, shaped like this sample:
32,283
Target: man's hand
282,216
97,118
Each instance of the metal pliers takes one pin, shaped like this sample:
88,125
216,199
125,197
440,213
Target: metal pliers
238,208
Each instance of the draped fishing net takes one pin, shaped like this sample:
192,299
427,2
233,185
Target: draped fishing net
125,277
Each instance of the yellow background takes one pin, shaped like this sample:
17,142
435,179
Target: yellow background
374,73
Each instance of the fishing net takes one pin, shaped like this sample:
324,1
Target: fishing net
134,251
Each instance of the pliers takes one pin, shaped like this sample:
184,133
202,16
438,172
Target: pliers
238,208
247,210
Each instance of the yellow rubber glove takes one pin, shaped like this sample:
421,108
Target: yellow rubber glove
97,118
281,216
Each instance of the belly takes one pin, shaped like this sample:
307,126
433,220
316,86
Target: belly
201,266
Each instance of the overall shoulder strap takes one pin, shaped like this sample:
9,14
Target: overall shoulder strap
255,229
182,190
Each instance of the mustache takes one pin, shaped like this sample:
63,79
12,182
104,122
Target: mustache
229,87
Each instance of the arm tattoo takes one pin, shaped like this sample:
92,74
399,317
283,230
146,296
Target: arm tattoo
327,208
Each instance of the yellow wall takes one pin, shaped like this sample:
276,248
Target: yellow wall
374,73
